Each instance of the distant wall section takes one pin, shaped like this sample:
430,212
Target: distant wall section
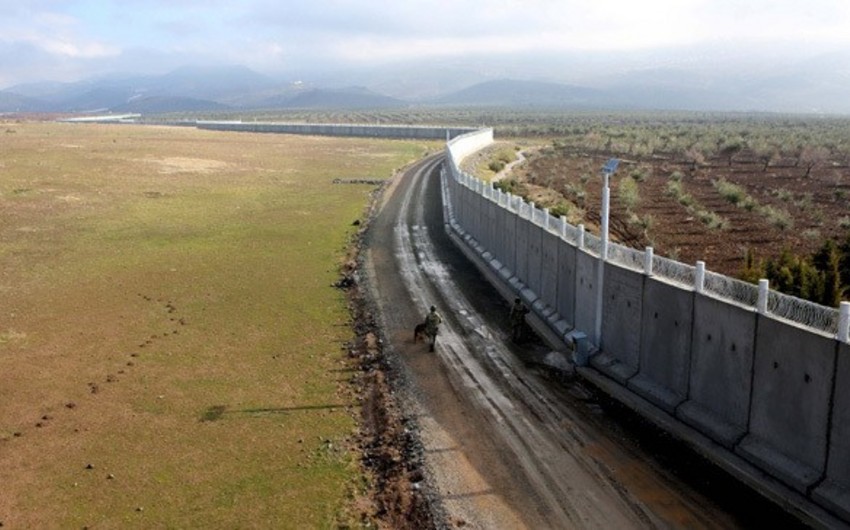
363,131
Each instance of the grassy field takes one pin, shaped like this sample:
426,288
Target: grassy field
170,345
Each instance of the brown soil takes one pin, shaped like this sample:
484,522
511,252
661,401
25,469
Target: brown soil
390,452
817,205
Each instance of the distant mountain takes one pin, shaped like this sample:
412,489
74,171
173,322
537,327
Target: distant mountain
212,83
11,102
198,88
513,93
98,98
686,81
167,104
350,98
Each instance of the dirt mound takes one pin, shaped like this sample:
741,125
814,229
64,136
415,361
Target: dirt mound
388,444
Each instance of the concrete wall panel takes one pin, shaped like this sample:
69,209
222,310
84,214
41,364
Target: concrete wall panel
471,215
498,233
523,227
535,258
665,345
721,370
459,202
792,387
477,211
834,493
490,226
585,293
509,239
621,322
567,282
549,269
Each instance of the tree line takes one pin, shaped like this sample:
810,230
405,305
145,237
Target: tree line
822,277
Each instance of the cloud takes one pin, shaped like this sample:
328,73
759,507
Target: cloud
54,33
274,35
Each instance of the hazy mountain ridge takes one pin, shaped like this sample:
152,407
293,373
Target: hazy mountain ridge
818,84
510,92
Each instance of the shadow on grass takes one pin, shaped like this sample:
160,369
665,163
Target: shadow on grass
216,412
344,370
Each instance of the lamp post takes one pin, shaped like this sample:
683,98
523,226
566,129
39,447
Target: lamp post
607,170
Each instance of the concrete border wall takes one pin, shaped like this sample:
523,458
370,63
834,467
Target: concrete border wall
765,398
366,131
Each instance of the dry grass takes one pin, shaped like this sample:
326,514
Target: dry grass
167,318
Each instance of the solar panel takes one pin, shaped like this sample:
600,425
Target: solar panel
611,165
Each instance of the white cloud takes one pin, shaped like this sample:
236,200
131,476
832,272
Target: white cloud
54,33
273,34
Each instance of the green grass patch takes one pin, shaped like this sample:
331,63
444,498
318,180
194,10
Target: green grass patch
173,288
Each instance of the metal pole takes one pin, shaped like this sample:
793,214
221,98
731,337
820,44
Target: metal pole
647,261
844,322
606,200
761,304
603,256
699,278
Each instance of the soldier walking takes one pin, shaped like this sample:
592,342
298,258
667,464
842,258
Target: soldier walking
517,318
432,326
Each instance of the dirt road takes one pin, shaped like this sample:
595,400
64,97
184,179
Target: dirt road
506,444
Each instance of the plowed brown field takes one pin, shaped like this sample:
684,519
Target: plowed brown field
787,209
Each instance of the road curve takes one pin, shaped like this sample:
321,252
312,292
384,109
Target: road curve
505,445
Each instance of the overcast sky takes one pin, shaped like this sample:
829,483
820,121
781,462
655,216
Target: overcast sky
67,40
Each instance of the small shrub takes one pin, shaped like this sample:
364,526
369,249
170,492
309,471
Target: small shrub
506,155
844,222
712,220
674,188
687,200
645,222
749,204
676,176
674,253
628,193
731,192
811,233
496,165
562,209
781,219
805,202
784,195
639,174
506,185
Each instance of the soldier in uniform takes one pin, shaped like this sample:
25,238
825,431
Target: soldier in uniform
517,317
432,326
